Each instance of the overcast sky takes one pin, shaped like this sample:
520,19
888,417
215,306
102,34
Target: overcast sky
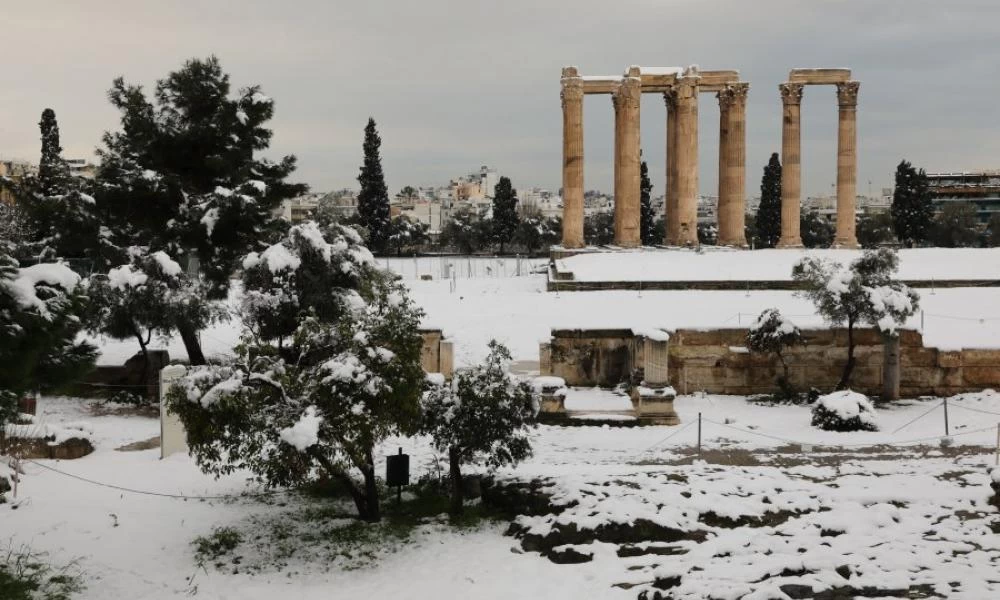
457,84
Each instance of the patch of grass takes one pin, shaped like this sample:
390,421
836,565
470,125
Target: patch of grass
24,575
212,547
314,530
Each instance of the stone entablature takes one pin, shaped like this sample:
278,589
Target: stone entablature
717,361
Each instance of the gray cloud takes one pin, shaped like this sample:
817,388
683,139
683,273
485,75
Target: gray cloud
456,84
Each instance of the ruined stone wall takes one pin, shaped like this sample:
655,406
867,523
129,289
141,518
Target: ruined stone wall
717,362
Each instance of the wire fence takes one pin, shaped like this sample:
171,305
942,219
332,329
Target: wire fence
464,267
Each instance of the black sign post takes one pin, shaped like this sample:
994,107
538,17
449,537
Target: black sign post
397,472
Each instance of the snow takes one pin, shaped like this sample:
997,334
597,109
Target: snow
714,264
896,512
277,257
305,432
169,266
209,219
22,287
547,381
259,98
661,70
847,404
125,276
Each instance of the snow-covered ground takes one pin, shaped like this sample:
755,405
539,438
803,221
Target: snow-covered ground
717,264
520,313
900,516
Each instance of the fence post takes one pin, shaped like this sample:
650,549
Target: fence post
921,321
946,429
172,436
699,434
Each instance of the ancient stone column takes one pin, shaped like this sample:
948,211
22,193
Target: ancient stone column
732,164
627,160
791,143
847,164
572,105
671,219
686,164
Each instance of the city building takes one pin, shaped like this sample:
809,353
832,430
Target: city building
14,170
979,188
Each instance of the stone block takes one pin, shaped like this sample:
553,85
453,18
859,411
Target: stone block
981,358
446,358
950,358
982,377
655,406
545,359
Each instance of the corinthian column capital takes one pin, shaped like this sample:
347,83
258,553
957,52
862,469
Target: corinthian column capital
791,93
847,93
670,98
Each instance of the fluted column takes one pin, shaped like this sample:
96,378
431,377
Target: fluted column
572,195
847,164
687,160
791,143
671,219
732,164
627,163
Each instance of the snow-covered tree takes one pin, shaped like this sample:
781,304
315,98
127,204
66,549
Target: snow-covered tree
768,218
406,235
875,230
708,234
773,333
184,175
956,226
150,295
647,227
483,415
505,218
329,367
865,292
373,199
599,229
466,231
911,205
59,219
816,231
536,233
39,323
844,410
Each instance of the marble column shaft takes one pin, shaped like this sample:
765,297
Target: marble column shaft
686,164
672,219
847,164
791,164
627,160
572,180
732,165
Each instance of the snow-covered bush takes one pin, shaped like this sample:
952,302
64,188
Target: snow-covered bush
844,411
328,368
772,333
482,416
862,293
149,295
39,325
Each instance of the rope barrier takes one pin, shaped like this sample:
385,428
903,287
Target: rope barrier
978,410
683,427
158,494
933,408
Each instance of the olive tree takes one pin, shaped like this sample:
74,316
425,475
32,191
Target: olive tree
862,293
772,333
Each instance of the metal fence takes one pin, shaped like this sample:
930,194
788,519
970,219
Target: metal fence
464,267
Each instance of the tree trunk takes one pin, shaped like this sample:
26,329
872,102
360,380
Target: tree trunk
455,474
845,379
372,513
191,344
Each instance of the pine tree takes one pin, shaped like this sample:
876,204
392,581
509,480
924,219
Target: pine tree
647,225
768,219
373,199
40,308
505,218
53,172
911,210
184,176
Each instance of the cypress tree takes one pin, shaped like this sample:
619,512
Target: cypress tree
53,171
373,199
647,225
505,219
912,212
768,219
